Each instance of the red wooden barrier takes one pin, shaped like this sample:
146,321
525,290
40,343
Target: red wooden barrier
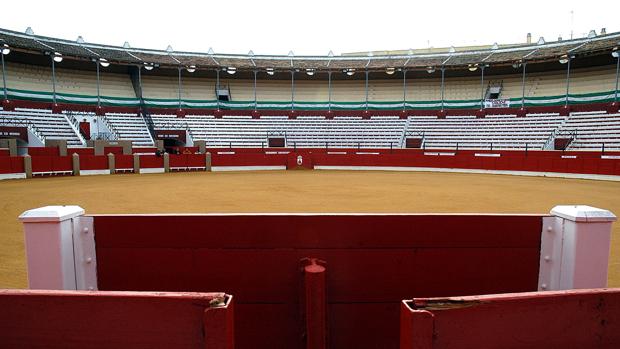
11,164
561,319
81,151
43,151
151,161
92,162
64,319
374,262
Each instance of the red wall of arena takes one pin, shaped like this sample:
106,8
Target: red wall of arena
373,262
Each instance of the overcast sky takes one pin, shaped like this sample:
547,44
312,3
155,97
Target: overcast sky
308,27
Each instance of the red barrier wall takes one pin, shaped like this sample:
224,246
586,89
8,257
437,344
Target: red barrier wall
113,150
187,160
151,161
219,158
92,162
43,151
70,319
373,262
564,319
11,164
41,164
81,151
123,162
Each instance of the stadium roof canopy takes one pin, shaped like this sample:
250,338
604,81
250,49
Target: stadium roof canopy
496,56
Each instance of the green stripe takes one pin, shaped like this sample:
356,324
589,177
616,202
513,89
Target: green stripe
596,97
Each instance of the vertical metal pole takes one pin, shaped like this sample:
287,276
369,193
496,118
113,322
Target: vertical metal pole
404,89
567,79
217,86
180,87
329,90
255,100
140,80
6,94
98,93
443,70
366,86
523,87
482,87
53,80
292,89
615,92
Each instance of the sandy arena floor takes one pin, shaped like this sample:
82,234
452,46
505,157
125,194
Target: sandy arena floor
293,191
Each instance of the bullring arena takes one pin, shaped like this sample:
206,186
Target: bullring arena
451,198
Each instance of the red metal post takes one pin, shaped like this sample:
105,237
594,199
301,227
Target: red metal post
314,303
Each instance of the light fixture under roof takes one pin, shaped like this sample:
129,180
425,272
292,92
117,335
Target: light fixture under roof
104,62
516,64
148,66
430,69
57,57
390,70
309,71
472,67
349,71
563,59
6,49
231,70
614,53
191,69
270,71
29,31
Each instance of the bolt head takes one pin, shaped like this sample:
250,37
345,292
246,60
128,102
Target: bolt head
549,229
85,230
547,258
543,286
89,260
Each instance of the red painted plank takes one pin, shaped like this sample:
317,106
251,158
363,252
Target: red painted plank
563,319
70,319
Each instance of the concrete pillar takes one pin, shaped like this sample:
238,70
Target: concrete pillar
127,147
75,161
111,163
208,162
136,163
202,146
166,162
575,246
28,165
159,144
99,145
11,144
60,248
60,143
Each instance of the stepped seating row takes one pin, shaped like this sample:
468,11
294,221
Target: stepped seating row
592,131
45,124
130,127
498,132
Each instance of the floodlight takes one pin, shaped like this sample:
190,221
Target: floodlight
104,62
231,70
6,49
390,71
270,71
148,66
430,69
310,71
472,67
191,69
349,71
615,53
57,57
563,59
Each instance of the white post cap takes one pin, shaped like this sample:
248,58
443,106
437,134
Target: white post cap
51,214
583,213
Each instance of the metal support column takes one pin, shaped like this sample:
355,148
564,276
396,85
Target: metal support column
314,303
98,92
140,80
617,73
53,79
292,89
180,87
523,86
255,100
443,71
366,87
217,87
567,79
4,78
329,90
482,86
404,89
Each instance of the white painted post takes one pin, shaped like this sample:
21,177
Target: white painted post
575,246
60,248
